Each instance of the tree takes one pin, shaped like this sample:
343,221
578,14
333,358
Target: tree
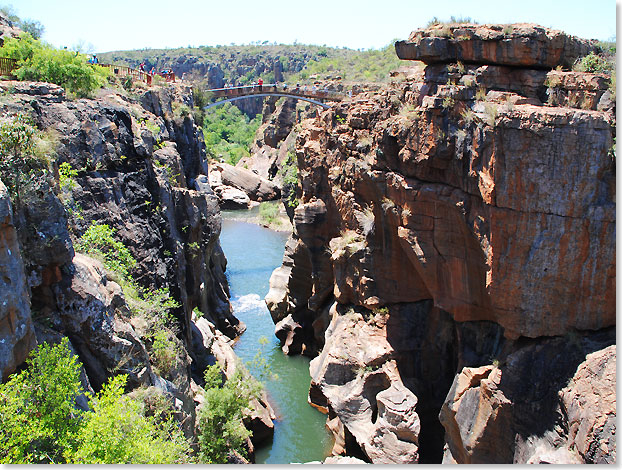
18,162
221,430
32,27
37,407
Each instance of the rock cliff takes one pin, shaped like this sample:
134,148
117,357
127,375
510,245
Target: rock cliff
455,248
139,166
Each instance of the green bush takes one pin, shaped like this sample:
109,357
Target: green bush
594,63
221,430
41,62
117,431
164,351
98,240
41,424
37,407
66,176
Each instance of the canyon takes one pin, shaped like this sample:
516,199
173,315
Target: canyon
451,270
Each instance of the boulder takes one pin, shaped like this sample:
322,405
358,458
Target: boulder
231,198
256,187
546,402
519,45
17,335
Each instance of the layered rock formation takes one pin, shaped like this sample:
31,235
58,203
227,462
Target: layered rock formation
522,45
472,205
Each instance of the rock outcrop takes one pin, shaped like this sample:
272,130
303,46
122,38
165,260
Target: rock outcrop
147,194
88,301
521,412
273,139
521,45
473,204
365,391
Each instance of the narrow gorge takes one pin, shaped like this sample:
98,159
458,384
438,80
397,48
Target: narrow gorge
446,291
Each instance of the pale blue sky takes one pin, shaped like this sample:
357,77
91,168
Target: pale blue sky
126,24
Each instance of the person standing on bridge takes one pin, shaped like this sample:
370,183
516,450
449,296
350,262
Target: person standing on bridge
260,83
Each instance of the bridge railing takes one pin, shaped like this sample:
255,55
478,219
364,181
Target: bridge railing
305,90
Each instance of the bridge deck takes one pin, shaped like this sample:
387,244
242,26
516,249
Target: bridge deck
275,89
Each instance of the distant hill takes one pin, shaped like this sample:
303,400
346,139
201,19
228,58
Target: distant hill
219,65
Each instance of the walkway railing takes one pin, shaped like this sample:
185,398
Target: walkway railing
7,66
124,71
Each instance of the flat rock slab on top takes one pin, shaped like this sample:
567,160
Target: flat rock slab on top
524,45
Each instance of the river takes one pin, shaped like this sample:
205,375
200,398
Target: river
253,252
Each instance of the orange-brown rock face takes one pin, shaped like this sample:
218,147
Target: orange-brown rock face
474,205
498,208
525,45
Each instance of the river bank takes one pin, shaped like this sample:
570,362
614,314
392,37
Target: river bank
269,214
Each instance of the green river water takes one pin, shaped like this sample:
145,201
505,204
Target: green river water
253,252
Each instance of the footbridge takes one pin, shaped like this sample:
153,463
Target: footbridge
305,93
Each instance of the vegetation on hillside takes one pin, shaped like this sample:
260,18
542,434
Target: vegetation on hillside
359,66
228,132
242,64
41,422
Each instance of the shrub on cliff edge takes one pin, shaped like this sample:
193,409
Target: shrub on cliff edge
39,61
37,407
